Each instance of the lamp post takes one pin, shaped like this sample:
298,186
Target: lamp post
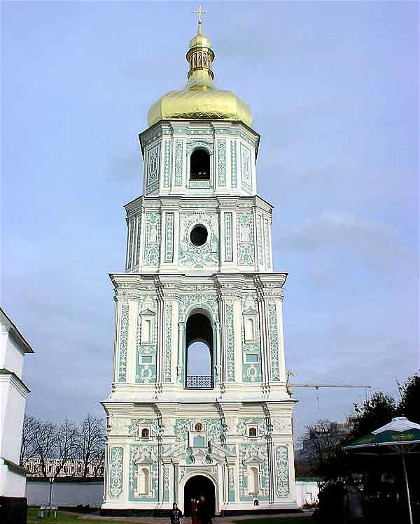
51,479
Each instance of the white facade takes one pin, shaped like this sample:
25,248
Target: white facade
199,270
13,393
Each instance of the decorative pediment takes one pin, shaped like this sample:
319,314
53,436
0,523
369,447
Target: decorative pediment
147,313
250,311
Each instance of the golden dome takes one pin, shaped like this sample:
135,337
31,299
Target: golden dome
199,40
199,98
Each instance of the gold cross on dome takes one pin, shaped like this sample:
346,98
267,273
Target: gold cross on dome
199,12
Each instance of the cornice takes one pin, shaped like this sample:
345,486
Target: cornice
189,203
17,382
13,331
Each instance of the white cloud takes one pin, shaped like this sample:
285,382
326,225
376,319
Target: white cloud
375,243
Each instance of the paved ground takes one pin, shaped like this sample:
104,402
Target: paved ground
216,520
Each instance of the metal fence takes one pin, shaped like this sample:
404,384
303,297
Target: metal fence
200,382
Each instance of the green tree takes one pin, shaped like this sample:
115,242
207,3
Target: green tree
409,405
372,414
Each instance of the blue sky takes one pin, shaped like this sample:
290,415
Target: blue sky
334,91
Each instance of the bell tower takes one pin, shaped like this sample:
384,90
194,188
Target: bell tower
199,405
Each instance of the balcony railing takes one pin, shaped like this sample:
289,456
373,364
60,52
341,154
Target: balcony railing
200,382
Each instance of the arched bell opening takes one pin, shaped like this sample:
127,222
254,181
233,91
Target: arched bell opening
199,352
200,165
201,489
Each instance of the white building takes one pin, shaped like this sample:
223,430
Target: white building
199,276
72,468
13,393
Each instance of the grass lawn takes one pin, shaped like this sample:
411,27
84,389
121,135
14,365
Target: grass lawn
64,518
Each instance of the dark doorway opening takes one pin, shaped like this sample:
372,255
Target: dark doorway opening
196,487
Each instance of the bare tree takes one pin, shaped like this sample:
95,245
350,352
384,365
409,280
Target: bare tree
322,447
28,449
45,437
66,445
91,445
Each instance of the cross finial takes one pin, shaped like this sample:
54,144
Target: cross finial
199,12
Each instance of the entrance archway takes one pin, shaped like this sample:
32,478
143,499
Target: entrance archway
196,487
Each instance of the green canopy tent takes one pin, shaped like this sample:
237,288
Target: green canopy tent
400,437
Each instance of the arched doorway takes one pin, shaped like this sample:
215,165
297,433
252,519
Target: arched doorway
196,487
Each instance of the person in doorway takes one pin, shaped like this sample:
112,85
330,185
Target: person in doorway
175,514
203,511
194,512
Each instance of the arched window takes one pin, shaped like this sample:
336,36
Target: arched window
252,432
253,481
199,352
144,433
143,480
200,165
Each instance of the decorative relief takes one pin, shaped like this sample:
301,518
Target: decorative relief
122,368
221,163
213,429
267,243
192,131
119,426
242,424
209,470
204,144
135,425
282,471
116,471
259,241
206,254
233,167
152,244
130,236
167,165
166,484
179,146
168,341
231,473
228,237
281,425
274,342
153,165
146,365
169,237
230,344
137,240
251,372
246,168
245,235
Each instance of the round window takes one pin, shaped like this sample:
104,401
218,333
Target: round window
198,426
198,235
